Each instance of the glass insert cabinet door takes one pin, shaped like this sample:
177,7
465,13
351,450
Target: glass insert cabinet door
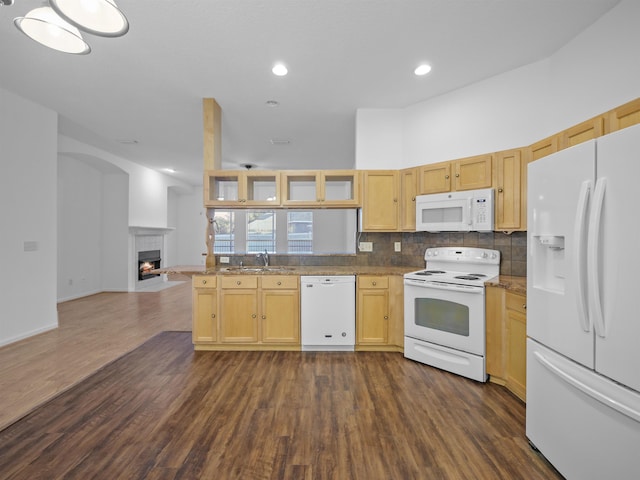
241,188
442,315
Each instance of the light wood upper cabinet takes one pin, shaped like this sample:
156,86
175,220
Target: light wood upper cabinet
543,148
239,188
324,188
434,178
381,201
624,116
510,191
409,189
469,173
473,172
582,132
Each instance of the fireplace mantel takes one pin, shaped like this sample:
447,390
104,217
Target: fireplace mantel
150,230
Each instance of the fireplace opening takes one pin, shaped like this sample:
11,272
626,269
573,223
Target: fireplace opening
147,261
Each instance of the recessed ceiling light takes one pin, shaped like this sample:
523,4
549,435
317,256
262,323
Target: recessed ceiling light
280,70
422,69
272,103
280,141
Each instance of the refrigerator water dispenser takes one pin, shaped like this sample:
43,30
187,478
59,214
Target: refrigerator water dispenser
549,266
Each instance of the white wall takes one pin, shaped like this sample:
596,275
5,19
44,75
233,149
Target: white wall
27,214
595,72
115,232
191,228
147,188
79,229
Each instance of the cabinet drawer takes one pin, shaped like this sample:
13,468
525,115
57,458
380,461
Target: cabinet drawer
204,281
288,282
370,281
239,281
516,302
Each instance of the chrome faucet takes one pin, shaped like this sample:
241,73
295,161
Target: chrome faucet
264,257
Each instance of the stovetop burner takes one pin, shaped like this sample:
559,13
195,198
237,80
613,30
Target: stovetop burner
468,277
426,273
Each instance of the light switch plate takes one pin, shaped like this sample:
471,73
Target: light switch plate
397,246
366,246
224,259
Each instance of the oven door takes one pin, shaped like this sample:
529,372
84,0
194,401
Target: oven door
446,316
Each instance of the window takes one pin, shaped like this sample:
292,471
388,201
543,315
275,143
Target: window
261,231
299,232
224,223
283,231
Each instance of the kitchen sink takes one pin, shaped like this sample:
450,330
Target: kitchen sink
256,269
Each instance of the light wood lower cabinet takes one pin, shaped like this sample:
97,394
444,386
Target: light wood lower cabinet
246,312
379,313
280,310
205,309
507,339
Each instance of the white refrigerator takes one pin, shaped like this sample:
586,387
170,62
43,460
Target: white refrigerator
583,308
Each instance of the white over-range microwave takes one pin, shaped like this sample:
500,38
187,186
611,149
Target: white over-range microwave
468,211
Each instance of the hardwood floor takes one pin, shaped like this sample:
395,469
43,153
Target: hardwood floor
164,411
92,332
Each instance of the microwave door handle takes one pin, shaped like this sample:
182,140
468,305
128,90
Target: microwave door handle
469,219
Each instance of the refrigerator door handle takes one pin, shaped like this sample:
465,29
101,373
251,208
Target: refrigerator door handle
579,258
593,251
615,403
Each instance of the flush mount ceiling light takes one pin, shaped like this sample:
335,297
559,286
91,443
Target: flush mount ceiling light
272,103
45,27
98,17
422,69
280,70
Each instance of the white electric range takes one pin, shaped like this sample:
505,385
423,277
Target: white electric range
444,309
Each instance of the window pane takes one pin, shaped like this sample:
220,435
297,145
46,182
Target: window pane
300,232
261,231
224,223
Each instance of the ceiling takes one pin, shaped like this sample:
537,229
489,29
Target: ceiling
341,54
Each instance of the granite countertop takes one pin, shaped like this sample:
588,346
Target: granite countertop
508,282
190,270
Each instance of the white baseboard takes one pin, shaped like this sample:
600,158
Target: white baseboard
22,336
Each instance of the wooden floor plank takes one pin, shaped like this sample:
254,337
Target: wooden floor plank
163,411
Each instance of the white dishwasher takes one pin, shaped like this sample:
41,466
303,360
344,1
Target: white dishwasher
328,311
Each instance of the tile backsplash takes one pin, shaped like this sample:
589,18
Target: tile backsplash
513,250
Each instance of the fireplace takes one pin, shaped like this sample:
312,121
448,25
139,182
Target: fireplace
148,260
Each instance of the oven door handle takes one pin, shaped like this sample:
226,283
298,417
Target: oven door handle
448,286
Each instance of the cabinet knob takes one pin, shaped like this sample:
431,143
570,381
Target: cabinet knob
395,200
446,177
213,315
238,282
386,317
279,283
374,283
500,190
524,307
413,199
204,282
264,316
457,175
253,316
